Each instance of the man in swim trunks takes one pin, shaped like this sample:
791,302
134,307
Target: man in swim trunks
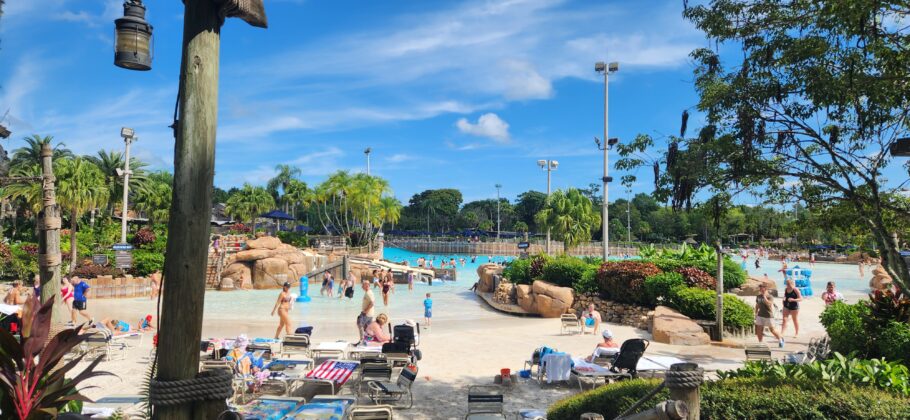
590,318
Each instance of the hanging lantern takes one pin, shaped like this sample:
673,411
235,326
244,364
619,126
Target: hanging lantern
133,38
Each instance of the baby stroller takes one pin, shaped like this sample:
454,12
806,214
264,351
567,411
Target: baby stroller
405,338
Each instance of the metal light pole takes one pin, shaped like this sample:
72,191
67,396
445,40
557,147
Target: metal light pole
606,69
549,166
369,224
629,214
128,137
367,152
498,186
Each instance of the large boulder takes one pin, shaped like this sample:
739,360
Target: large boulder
292,257
265,242
525,298
881,280
565,294
298,271
252,255
239,272
486,273
549,307
750,286
671,327
270,273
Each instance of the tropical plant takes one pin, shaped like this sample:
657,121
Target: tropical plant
153,196
29,192
389,210
282,180
520,226
248,202
698,303
80,188
695,277
564,270
30,154
32,373
623,281
660,287
570,216
518,271
880,373
109,162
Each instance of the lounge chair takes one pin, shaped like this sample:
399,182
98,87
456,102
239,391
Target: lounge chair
535,358
295,344
819,348
485,402
373,371
756,352
388,391
567,322
378,412
100,342
626,361
397,354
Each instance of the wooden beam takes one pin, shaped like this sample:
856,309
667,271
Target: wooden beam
188,238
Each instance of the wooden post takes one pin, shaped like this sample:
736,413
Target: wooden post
691,396
188,227
49,258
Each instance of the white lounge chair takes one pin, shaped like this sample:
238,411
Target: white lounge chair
568,322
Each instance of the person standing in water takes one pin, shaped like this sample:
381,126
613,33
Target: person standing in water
283,306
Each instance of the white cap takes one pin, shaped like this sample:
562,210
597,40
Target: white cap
607,334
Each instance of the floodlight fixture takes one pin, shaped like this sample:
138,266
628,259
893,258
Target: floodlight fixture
554,164
542,163
612,141
127,132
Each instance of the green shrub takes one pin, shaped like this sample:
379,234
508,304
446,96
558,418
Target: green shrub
887,375
300,240
700,304
734,275
145,262
623,281
746,398
658,288
667,264
538,262
894,342
24,260
518,271
588,282
844,324
563,270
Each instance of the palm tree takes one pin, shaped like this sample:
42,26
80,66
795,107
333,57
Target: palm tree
153,196
248,202
389,210
81,188
295,194
29,193
570,215
31,153
282,180
109,162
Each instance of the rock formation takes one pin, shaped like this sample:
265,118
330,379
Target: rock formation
266,263
486,273
881,280
750,287
671,327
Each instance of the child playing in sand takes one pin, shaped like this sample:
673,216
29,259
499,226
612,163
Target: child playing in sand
428,309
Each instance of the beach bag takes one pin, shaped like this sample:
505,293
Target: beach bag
349,292
307,329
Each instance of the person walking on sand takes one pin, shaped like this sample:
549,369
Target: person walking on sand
792,298
367,309
862,268
427,310
763,315
66,293
283,306
80,302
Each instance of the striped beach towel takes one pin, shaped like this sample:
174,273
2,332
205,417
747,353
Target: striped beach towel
334,370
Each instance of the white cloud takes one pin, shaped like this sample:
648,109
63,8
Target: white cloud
399,158
488,125
524,82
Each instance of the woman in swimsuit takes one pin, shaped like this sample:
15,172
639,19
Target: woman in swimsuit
386,288
283,305
792,298
374,334
67,293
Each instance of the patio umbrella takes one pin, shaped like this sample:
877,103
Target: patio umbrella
278,216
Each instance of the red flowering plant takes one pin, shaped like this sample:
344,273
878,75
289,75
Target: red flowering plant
32,377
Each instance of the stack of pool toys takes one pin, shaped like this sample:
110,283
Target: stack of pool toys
801,279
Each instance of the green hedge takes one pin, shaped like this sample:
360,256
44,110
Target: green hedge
588,281
145,262
894,342
660,287
518,271
700,304
564,270
746,398
734,275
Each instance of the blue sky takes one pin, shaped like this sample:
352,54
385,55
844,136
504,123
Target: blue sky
447,94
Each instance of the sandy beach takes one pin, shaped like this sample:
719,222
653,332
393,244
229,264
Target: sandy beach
465,347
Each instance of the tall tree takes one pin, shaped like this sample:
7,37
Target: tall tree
109,162
248,203
153,196
30,154
571,217
818,98
279,184
528,205
80,188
